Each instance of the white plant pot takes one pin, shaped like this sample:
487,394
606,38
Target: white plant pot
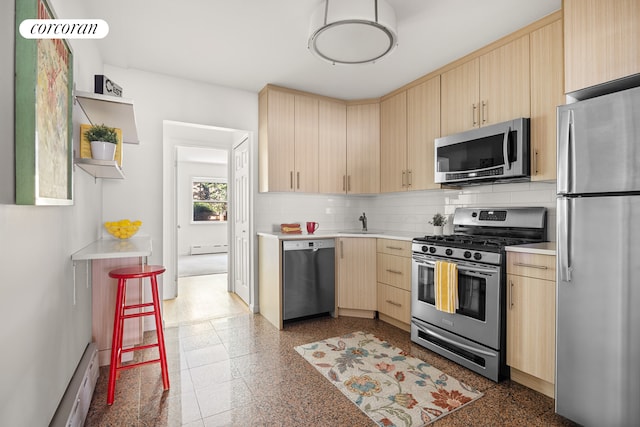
101,150
438,230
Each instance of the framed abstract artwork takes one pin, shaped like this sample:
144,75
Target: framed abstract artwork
43,111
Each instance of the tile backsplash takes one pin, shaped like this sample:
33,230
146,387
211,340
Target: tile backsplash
410,211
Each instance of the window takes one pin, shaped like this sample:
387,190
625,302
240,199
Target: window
209,199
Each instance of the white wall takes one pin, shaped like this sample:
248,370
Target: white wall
42,331
158,98
201,233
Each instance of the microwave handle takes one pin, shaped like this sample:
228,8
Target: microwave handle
505,148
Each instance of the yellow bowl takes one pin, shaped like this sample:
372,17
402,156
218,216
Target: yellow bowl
122,229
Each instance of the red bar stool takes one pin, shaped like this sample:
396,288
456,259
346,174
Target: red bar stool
122,274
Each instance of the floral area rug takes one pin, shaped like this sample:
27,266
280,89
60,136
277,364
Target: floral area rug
388,385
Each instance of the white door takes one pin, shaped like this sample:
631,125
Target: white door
241,260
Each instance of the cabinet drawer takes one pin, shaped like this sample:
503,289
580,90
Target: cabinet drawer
394,247
394,270
532,265
394,302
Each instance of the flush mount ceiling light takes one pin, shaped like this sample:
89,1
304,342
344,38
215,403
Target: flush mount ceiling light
353,31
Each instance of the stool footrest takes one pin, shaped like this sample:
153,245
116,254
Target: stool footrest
146,304
134,365
134,315
140,347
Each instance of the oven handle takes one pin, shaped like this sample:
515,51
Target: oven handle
452,342
460,267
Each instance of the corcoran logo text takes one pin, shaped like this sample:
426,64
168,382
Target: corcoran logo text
64,29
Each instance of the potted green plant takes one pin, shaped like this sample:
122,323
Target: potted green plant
103,141
438,223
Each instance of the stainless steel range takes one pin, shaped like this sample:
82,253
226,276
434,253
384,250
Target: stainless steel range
474,336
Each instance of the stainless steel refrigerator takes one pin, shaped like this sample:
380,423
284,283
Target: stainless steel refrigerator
598,261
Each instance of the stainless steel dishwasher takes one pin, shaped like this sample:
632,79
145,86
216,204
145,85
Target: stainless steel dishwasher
308,277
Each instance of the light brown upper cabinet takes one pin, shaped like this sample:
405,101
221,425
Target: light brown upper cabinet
409,123
288,149
423,127
547,92
363,148
489,89
393,143
601,41
332,156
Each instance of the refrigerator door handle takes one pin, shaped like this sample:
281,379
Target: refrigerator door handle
505,148
564,239
565,149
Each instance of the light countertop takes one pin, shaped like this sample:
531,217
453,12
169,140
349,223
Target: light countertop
544,248
112,248
332,234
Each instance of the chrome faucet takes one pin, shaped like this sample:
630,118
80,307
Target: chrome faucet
363,218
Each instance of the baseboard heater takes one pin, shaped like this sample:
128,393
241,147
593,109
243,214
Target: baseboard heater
208,249
74,406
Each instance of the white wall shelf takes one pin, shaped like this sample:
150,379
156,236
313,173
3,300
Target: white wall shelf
112,111
101,168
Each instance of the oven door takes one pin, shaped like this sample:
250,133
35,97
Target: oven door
479,295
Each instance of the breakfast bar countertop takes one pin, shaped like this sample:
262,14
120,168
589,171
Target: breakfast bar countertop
139,246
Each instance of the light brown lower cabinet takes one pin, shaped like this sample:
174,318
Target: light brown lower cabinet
394,282
531,320
356,276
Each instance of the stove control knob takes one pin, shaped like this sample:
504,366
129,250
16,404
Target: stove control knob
467,254
477,256
449,252
425,248
432,249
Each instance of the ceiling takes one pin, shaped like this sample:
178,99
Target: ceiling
246,44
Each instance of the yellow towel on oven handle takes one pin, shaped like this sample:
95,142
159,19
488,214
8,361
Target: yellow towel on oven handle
446,286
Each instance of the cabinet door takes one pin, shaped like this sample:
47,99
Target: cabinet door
504,83
363,148
306,144
393,143
600,41
423,127
332,156
277,136
357,273
531,326
460,98
546,94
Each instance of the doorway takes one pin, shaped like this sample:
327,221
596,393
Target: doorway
186,146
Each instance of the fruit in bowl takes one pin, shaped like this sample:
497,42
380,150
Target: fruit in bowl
122,229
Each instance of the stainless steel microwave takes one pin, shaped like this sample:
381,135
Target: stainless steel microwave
491,153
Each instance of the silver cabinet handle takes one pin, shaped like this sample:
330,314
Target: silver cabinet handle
404,178
394,271
291,180
395,248
298,180
397,304
511,294
409,178
474,110
535,162
540,267
341,249
484,115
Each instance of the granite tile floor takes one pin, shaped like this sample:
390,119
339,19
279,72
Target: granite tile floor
239,370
